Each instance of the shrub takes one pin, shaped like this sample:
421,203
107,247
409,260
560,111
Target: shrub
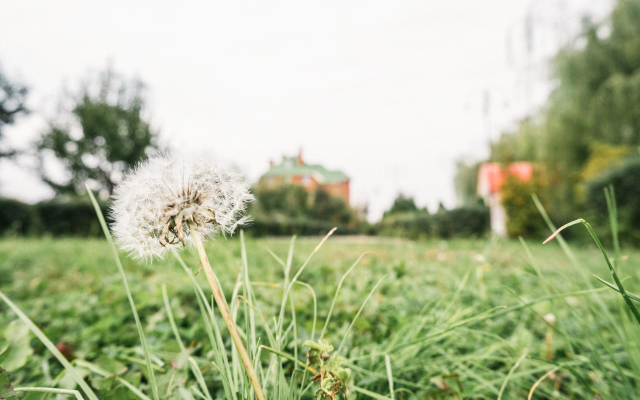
73,218
460,222
17,217
625,179
523,217
291,209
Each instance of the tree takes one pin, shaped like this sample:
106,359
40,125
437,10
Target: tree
100,136
12,104
402,204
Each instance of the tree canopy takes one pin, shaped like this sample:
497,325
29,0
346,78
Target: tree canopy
99,136
595,106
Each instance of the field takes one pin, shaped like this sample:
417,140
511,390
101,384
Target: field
434,315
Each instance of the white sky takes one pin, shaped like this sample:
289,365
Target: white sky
389,92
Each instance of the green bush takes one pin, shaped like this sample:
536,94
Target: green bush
291,209
286,227
625,180
57,218
73,218
523,217
17,217
460,222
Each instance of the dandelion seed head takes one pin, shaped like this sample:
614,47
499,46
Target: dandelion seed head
157,205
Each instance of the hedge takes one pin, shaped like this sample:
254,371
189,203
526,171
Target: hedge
78,218
288,227
459,222
57,218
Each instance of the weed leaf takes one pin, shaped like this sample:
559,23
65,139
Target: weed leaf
6,390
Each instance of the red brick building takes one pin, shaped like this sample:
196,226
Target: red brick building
293,170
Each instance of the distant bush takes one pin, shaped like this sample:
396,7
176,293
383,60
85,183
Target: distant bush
625,179
17,217
287,227
523,217
291,209
402,205
57,218
73,218
459,222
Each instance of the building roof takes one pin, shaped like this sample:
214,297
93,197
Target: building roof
294,166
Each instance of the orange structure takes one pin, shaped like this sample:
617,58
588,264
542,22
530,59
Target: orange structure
293,170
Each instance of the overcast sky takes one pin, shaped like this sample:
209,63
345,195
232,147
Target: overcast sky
391,93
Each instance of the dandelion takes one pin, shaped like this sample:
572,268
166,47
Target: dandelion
158,203
171,202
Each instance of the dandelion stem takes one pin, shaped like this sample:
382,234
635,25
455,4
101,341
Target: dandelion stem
220,301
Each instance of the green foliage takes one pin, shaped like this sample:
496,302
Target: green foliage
429,318
520,145
625,180
12,104
68,218
523,218
596,103
263,226
17,217
464,221
291,209
331,377
15,348
100,136
289,200
402,204
55,217
6,389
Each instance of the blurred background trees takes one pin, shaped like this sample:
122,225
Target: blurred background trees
99,133
589,130
12,104
291,209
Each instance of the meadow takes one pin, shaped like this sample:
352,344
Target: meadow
465,318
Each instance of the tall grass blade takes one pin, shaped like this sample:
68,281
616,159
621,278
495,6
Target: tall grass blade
626,297
219,352
335,297
49,390
387,362
114,251
346,335
192,363
297,275
369,393
506,380
610,197
614,287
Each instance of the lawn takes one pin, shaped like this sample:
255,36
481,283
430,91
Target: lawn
434,315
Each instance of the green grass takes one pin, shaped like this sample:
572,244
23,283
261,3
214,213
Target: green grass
426,328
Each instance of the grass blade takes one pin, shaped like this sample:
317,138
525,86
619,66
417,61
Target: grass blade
368,393
335,297
143,341
346,335
614,287
192,363
506,380
49,390
626,297
387,362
